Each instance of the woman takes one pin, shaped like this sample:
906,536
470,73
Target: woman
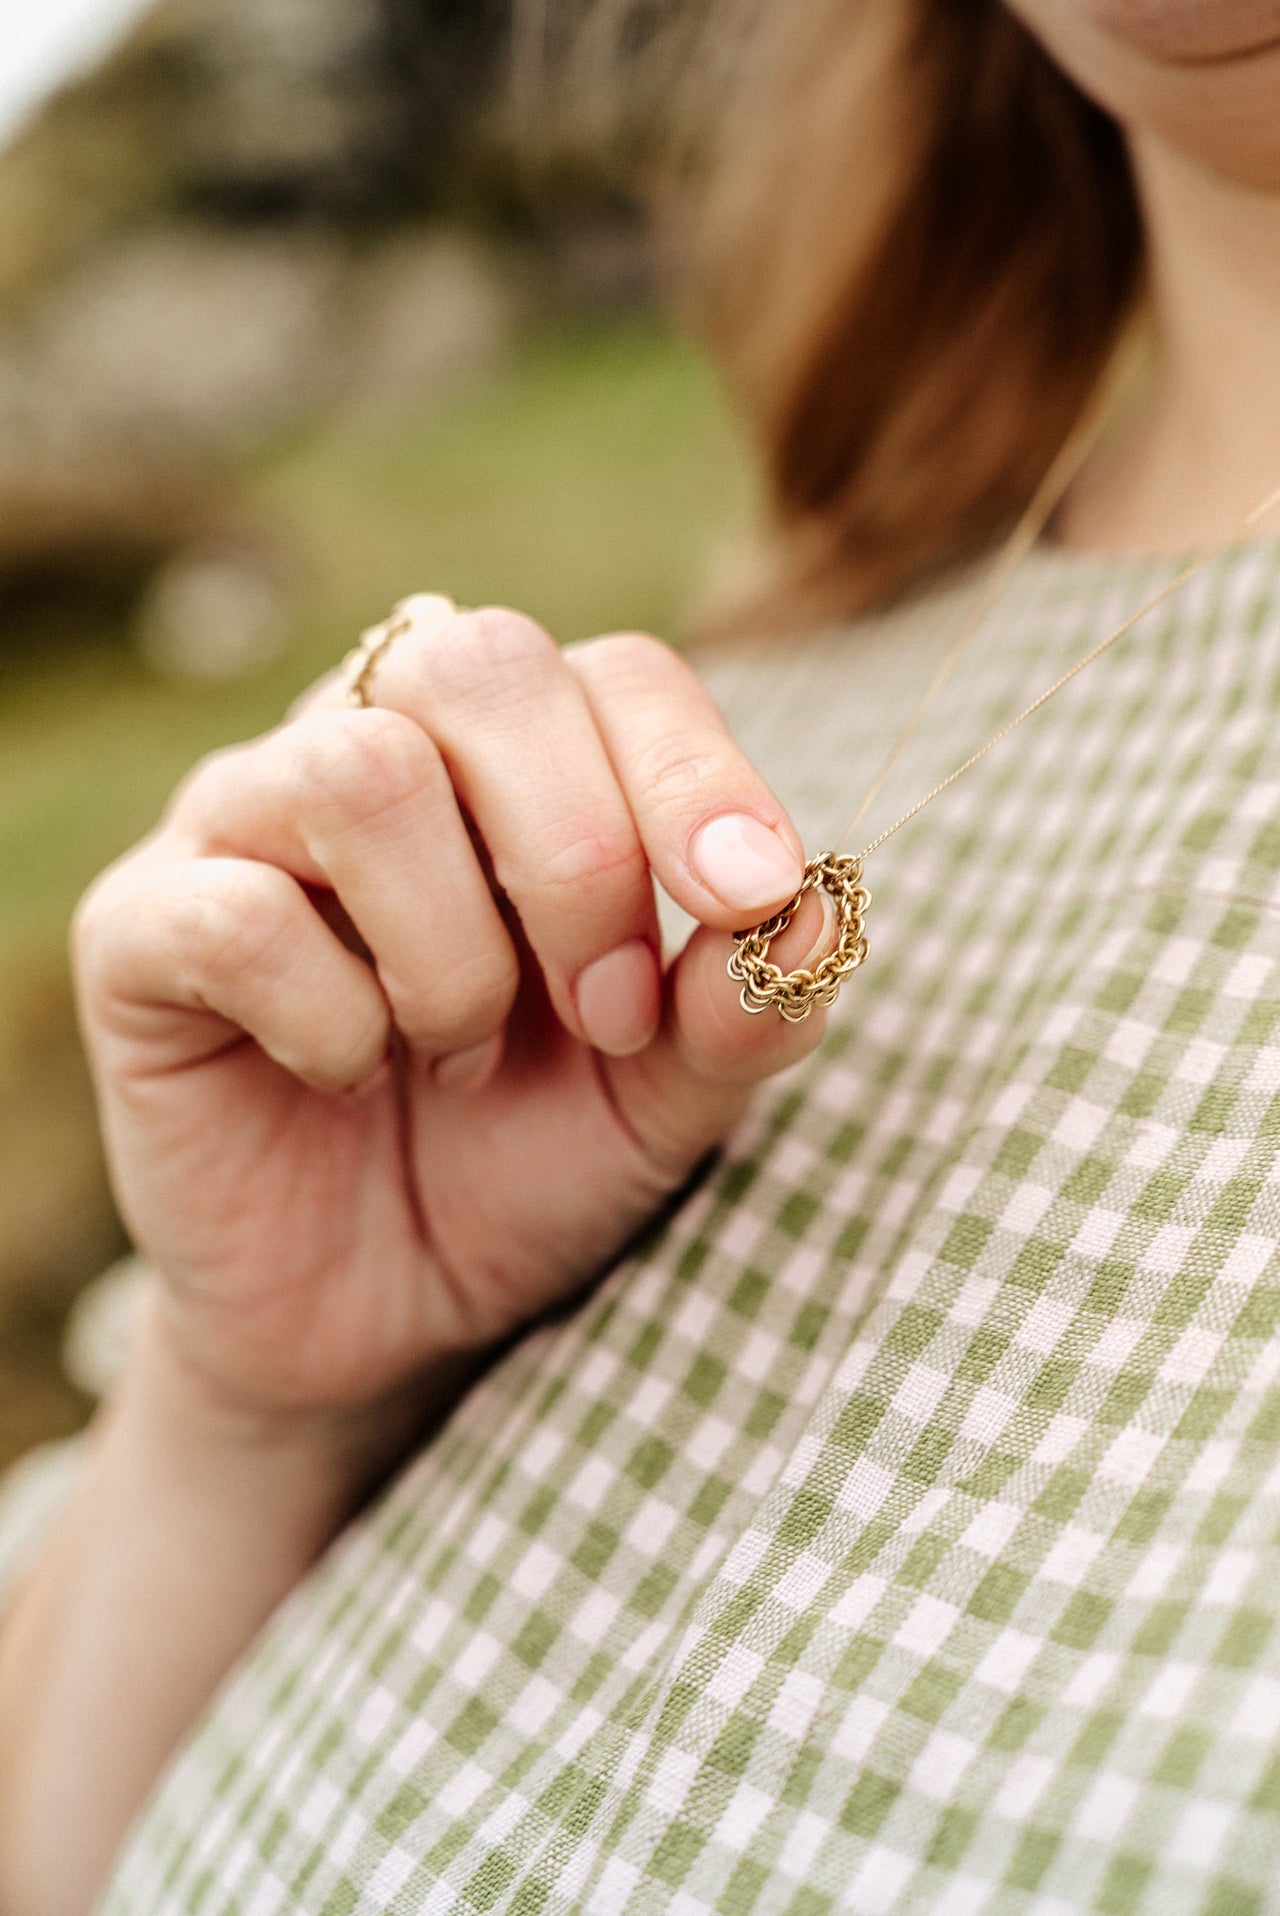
895,1526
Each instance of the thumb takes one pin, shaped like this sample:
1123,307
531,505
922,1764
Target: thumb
687,1090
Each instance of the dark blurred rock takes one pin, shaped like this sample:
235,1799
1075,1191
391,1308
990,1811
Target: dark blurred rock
347,109
240,221
596,254
277,107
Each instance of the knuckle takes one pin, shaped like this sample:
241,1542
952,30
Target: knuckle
472,994
623,655
510,638
231,921
199,792
574,858
681,778
96,921
361,764
494,651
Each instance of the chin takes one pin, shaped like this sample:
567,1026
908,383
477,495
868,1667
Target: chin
1200,76
1188,30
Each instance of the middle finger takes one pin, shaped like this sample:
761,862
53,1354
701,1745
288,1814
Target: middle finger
517,733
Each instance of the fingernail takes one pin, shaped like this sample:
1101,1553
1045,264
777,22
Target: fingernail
619,999
468,1070
744,863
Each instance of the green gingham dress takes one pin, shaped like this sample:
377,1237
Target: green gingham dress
897,1529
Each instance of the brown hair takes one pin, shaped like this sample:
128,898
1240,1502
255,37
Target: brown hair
917,244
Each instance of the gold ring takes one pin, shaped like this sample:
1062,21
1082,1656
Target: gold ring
362,662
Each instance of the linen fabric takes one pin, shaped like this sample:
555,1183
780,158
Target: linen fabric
896,1529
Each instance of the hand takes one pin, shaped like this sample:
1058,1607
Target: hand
386,1058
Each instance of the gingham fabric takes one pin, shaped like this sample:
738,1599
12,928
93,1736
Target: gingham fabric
898,1528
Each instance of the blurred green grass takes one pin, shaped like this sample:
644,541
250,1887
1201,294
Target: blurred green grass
588,482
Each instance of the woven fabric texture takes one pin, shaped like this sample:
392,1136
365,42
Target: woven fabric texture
898,1529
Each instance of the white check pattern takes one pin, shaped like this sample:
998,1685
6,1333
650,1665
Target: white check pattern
899,1529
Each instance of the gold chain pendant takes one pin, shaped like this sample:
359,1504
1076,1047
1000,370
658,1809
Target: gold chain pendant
795,993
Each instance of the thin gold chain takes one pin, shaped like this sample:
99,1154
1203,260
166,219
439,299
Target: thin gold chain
1047,497
1188,572
795,994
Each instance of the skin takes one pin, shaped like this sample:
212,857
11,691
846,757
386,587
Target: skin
1196,85
364,1120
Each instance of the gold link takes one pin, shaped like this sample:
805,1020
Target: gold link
361,663
793,994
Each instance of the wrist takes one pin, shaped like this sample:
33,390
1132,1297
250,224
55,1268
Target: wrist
317,1462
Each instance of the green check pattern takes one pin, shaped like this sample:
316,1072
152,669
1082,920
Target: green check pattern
897,1530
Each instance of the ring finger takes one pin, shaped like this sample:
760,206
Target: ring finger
524,753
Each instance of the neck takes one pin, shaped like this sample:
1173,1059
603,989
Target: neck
1202,446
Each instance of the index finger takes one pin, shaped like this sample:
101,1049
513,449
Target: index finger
717,838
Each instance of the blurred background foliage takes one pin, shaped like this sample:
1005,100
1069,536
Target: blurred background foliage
304,304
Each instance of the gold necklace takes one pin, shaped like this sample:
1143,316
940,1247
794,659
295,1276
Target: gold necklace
794,994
